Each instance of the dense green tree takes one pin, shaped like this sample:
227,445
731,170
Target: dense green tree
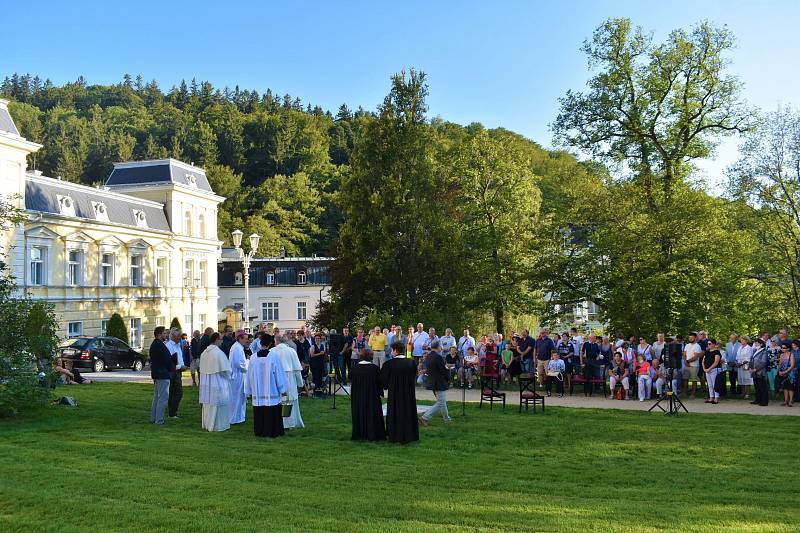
116,328
392,248
765,182
175,323
497,207
651,109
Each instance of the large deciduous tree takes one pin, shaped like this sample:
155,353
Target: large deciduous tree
498,203
394,247
767,178
650,110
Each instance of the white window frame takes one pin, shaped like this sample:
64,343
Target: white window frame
74,274
201,226
136,281
302,277
162,274
135,327
201,324
78,330
270,311
238,278
188,271
202,273
107,277
270,278
104,327
187,223
302,306
42,261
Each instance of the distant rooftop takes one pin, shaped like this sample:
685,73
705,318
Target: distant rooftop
157,171
229,254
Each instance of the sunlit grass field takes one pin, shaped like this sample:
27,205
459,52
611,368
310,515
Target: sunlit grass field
102,467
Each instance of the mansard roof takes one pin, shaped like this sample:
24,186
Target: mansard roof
157,172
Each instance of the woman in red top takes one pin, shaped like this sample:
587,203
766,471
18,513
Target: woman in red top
643,378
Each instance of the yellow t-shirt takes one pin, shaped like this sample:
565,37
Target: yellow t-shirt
377,342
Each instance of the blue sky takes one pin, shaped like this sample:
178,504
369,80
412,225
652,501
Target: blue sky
499,63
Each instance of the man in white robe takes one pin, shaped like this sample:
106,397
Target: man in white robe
215,388
238,371
294,380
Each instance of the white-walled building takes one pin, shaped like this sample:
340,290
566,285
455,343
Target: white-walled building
144,246
283,290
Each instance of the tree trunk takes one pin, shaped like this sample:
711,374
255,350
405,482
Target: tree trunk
499,319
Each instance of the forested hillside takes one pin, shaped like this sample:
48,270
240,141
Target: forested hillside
277,160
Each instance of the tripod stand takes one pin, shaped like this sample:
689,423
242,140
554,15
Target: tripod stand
674,403
336,384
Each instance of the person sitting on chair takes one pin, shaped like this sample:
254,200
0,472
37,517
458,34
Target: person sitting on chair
659,376
471,362
555,373
643,378
619,374
451,360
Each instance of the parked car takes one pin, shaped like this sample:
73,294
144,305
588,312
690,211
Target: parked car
101,353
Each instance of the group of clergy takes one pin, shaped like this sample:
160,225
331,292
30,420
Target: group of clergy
398,376
270,378
273,376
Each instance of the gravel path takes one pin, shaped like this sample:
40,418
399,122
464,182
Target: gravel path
578,400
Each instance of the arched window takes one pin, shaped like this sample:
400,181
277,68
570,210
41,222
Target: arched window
301,277
201,226
237,278
187,223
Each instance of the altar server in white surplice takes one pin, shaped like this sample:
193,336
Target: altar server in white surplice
238,374
215,386
266,384
294,380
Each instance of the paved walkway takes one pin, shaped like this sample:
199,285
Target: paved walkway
578,400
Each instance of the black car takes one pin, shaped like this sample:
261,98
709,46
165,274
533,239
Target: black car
101,353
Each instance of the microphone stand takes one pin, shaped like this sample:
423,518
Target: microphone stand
463,387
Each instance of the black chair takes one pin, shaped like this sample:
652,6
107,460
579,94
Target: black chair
527,392
490,379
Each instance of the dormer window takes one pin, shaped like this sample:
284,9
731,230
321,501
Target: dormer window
270,278
191,179
301,277
66,205
139,218
100,211
237,278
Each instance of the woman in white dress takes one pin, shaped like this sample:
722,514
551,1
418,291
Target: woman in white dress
215,386
742,357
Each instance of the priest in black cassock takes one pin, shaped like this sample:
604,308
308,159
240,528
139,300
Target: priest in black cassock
399,376
365,399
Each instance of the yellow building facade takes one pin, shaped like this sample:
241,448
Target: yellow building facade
144,245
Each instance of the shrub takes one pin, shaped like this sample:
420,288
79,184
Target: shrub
175,323
28,344
116,328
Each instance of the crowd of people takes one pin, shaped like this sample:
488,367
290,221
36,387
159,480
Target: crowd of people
274,368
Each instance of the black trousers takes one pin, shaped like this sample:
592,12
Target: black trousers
733,377
317,373
175,393
559,384
761,385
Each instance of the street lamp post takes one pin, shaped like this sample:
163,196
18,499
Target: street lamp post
246,258
190,286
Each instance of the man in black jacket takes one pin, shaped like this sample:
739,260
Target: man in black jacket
161,367
437,380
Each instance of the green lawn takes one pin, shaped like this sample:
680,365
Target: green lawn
102,467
